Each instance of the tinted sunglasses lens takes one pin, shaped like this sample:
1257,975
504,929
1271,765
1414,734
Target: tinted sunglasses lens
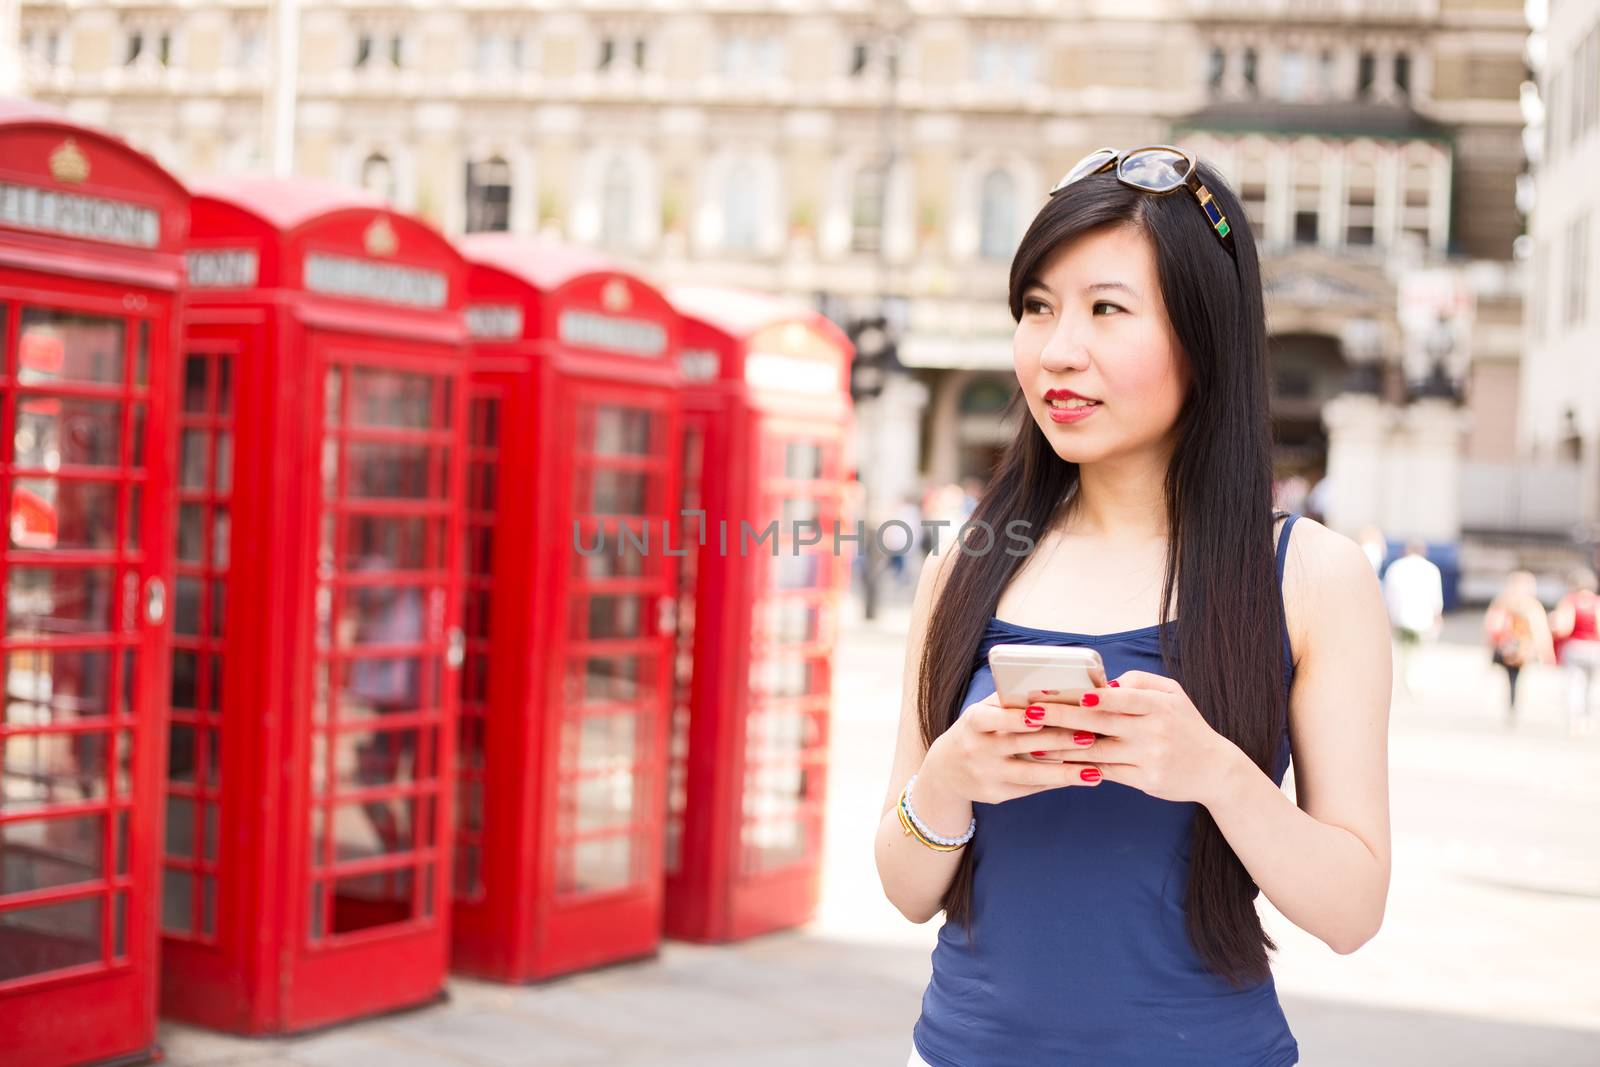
1158,170
1085,166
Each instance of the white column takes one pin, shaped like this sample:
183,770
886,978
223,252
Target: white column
1358,431
1427,459
11,47
283,85
888,429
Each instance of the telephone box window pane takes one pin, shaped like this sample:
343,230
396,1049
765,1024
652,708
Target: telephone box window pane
366,758
387,398
773,843
383,542
797,572
49,937
789,621
618,492
209,837
225,386
185,678
380,685
223,482
47,853
802,460
374,828
180,752
622,431
606,802
48,601
608,678
219,613
54,432
363,902
47,513
606,742
616,558
48,687
180,827
40,770
137,460
134,538
782,677
386,470
797,509
122,843
332,396
119,930
186,606
177,901
63,346
208,906
221,532
380,615
606,863
195,459
194,384
608,617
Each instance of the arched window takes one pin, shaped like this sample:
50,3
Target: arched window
998,223
377,176
488,195
867,209
616,205
739,200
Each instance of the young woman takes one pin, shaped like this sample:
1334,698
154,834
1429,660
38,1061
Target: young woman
1101,909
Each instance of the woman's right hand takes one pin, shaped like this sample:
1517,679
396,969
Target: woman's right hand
977,758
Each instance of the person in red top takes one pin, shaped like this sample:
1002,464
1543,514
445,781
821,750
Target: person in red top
1577,633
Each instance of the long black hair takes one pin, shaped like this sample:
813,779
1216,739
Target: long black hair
1220,550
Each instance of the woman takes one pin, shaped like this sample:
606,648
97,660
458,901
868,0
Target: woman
1518,632
1101,910
1576,626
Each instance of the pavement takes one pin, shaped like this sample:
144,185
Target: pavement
1489,955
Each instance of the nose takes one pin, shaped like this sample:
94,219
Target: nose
1066,348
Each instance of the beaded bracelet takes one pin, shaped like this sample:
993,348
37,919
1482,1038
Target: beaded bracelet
935,841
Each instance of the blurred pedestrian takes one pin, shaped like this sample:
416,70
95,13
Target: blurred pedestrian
1374,545
1574,626
1413,590
901,543
1518,631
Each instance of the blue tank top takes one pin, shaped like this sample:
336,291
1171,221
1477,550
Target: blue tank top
1079,951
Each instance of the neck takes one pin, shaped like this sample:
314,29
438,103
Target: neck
1123,497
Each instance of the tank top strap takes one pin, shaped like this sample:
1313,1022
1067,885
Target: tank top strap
1283,616
1283,547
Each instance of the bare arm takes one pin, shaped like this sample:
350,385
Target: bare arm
1325,864
914,877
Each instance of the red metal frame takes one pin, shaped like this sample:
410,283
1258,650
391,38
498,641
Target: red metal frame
328,689
577,361
91,234
767,406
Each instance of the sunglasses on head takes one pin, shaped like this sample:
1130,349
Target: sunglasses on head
1157,168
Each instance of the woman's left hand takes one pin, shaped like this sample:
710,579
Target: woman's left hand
1150,736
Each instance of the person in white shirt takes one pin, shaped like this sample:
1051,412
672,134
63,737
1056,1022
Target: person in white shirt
1413,590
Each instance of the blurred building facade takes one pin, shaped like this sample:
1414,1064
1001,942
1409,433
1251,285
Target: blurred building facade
864,155
1560,414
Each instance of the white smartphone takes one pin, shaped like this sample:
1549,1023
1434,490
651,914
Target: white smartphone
1027,674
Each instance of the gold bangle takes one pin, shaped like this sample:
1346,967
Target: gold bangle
910,830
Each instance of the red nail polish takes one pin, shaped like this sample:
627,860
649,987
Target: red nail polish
1036,754
1115,685
1090,700
1083,737
1090,774
1032,708
1035,713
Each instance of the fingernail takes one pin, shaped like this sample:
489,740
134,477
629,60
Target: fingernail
1115,685
1083,737
1090,700
1036,754
1035,712
1090,774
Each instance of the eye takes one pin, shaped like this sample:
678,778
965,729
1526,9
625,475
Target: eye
1098,304
1029,305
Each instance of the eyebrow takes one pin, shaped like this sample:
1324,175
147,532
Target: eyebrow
1095,287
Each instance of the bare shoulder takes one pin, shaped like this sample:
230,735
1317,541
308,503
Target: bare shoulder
1325,575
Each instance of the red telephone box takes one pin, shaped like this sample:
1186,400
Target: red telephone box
91,238
315,640
573,477
766,413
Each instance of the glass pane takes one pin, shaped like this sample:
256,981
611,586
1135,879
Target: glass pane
47,513
62,346
602,678
621,431
365,758
181,752
185,678
208,905
136,461
40,770
186,605
119,931
209,841
617,492
797,572
605,863
53,432
177,901
221,537
46,601
790,621
616,557
382,542
372,900
45,853
606,742
224,471
180,827
389,398
387,470
802,460
194,460
225,386
194,383
782,677
608,616
45,687
141,355
135,530
49,937
380,615
191,533
606,801
122,843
